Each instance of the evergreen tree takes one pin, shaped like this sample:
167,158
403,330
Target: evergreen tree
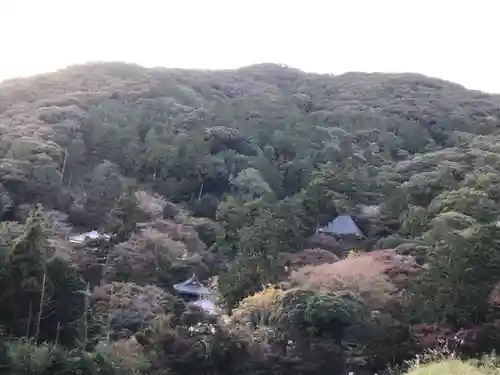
26,267
462,271
124,216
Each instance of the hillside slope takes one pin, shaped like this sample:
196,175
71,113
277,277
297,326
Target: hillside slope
228,174
177,129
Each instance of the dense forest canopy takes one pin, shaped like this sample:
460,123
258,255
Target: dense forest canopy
229,174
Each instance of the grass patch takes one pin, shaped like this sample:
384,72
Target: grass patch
447,367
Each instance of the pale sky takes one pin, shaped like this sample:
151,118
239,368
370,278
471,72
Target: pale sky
456,40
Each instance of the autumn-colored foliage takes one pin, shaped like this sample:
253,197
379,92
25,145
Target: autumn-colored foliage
258,308
132,307
363,275
308,257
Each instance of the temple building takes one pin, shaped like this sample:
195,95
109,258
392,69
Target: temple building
193,291
343,226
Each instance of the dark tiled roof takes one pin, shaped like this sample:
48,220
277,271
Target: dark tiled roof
342,224
191,286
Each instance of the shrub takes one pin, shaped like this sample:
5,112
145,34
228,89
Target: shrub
126,355
127,308
257,309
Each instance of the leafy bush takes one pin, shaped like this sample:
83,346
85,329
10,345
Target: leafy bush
127,308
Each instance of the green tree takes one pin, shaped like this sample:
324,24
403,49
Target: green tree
415,221
43,294
25,273
468,201
322,328
250,185
461,273
212,348
244,276
104,188
124,216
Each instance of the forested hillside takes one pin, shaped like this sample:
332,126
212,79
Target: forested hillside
229,174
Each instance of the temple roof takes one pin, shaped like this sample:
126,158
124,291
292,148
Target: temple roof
92,235
191,286
343,225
